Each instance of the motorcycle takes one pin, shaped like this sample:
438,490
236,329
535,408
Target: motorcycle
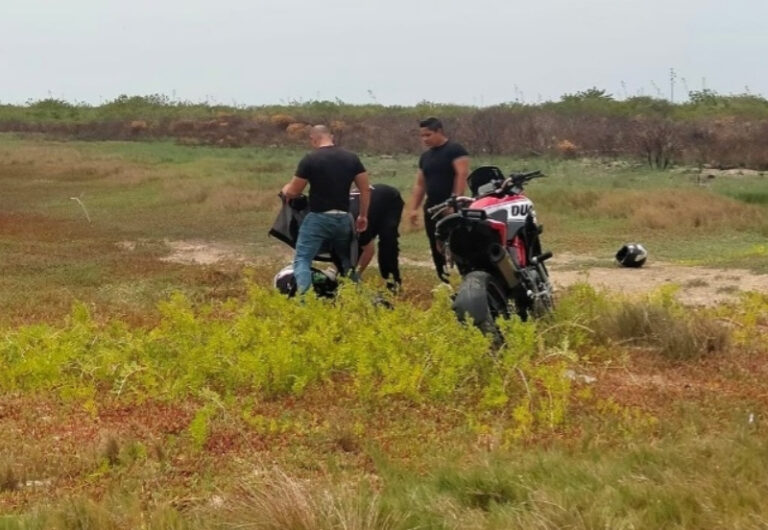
493,240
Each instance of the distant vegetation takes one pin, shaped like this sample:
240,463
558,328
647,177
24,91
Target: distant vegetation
709,129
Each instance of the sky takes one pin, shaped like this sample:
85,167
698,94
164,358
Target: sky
393,52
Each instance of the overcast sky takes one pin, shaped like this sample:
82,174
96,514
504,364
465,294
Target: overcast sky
478,52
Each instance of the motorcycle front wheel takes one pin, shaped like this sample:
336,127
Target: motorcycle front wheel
542,304
480,300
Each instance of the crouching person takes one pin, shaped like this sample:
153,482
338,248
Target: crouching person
386,209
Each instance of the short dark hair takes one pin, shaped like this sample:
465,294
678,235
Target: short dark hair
432,123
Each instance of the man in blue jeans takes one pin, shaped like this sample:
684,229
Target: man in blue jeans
330,172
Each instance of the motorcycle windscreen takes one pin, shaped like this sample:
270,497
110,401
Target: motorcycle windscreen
482,180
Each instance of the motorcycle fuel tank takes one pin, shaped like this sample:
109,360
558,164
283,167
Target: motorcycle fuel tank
511,210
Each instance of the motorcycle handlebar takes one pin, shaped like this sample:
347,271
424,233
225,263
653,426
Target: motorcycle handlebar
527,175
453,202
436,208
515,180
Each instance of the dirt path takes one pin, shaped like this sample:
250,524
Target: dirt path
698,285
202,253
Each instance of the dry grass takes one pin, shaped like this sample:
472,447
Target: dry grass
676,210
278,167
188,193
677,336
9,481
34,227
278,501
234,199
61,164
570,201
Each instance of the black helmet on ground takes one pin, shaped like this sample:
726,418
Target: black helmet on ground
632,255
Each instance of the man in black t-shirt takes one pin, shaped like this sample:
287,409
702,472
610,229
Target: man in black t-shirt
443,170
330,171
383,222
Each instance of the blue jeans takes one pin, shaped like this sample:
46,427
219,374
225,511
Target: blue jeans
316,229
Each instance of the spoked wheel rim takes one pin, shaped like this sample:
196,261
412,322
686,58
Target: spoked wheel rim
543,304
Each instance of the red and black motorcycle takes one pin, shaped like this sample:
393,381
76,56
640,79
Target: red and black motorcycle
493,240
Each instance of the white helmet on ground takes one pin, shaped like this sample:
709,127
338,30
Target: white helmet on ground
323,282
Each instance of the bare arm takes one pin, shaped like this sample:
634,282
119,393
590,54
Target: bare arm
366,255
417,196
461,168
361,181
294,187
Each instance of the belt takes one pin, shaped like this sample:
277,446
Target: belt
335,212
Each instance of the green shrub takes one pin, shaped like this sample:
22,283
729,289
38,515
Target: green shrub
271,346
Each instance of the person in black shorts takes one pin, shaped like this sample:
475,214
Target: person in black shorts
330,171
383,222
443,170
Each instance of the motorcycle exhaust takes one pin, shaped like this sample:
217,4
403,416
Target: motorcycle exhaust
504,264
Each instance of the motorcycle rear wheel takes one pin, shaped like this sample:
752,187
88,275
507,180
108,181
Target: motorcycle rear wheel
481,300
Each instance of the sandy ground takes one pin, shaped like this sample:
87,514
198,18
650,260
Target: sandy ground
698,285
201,253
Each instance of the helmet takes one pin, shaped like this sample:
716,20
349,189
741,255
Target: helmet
632,255
285,281
323,282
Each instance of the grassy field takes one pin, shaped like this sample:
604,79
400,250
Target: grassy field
138,392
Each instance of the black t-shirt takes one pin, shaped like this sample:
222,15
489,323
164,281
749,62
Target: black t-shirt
330,172
439,174
384,211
